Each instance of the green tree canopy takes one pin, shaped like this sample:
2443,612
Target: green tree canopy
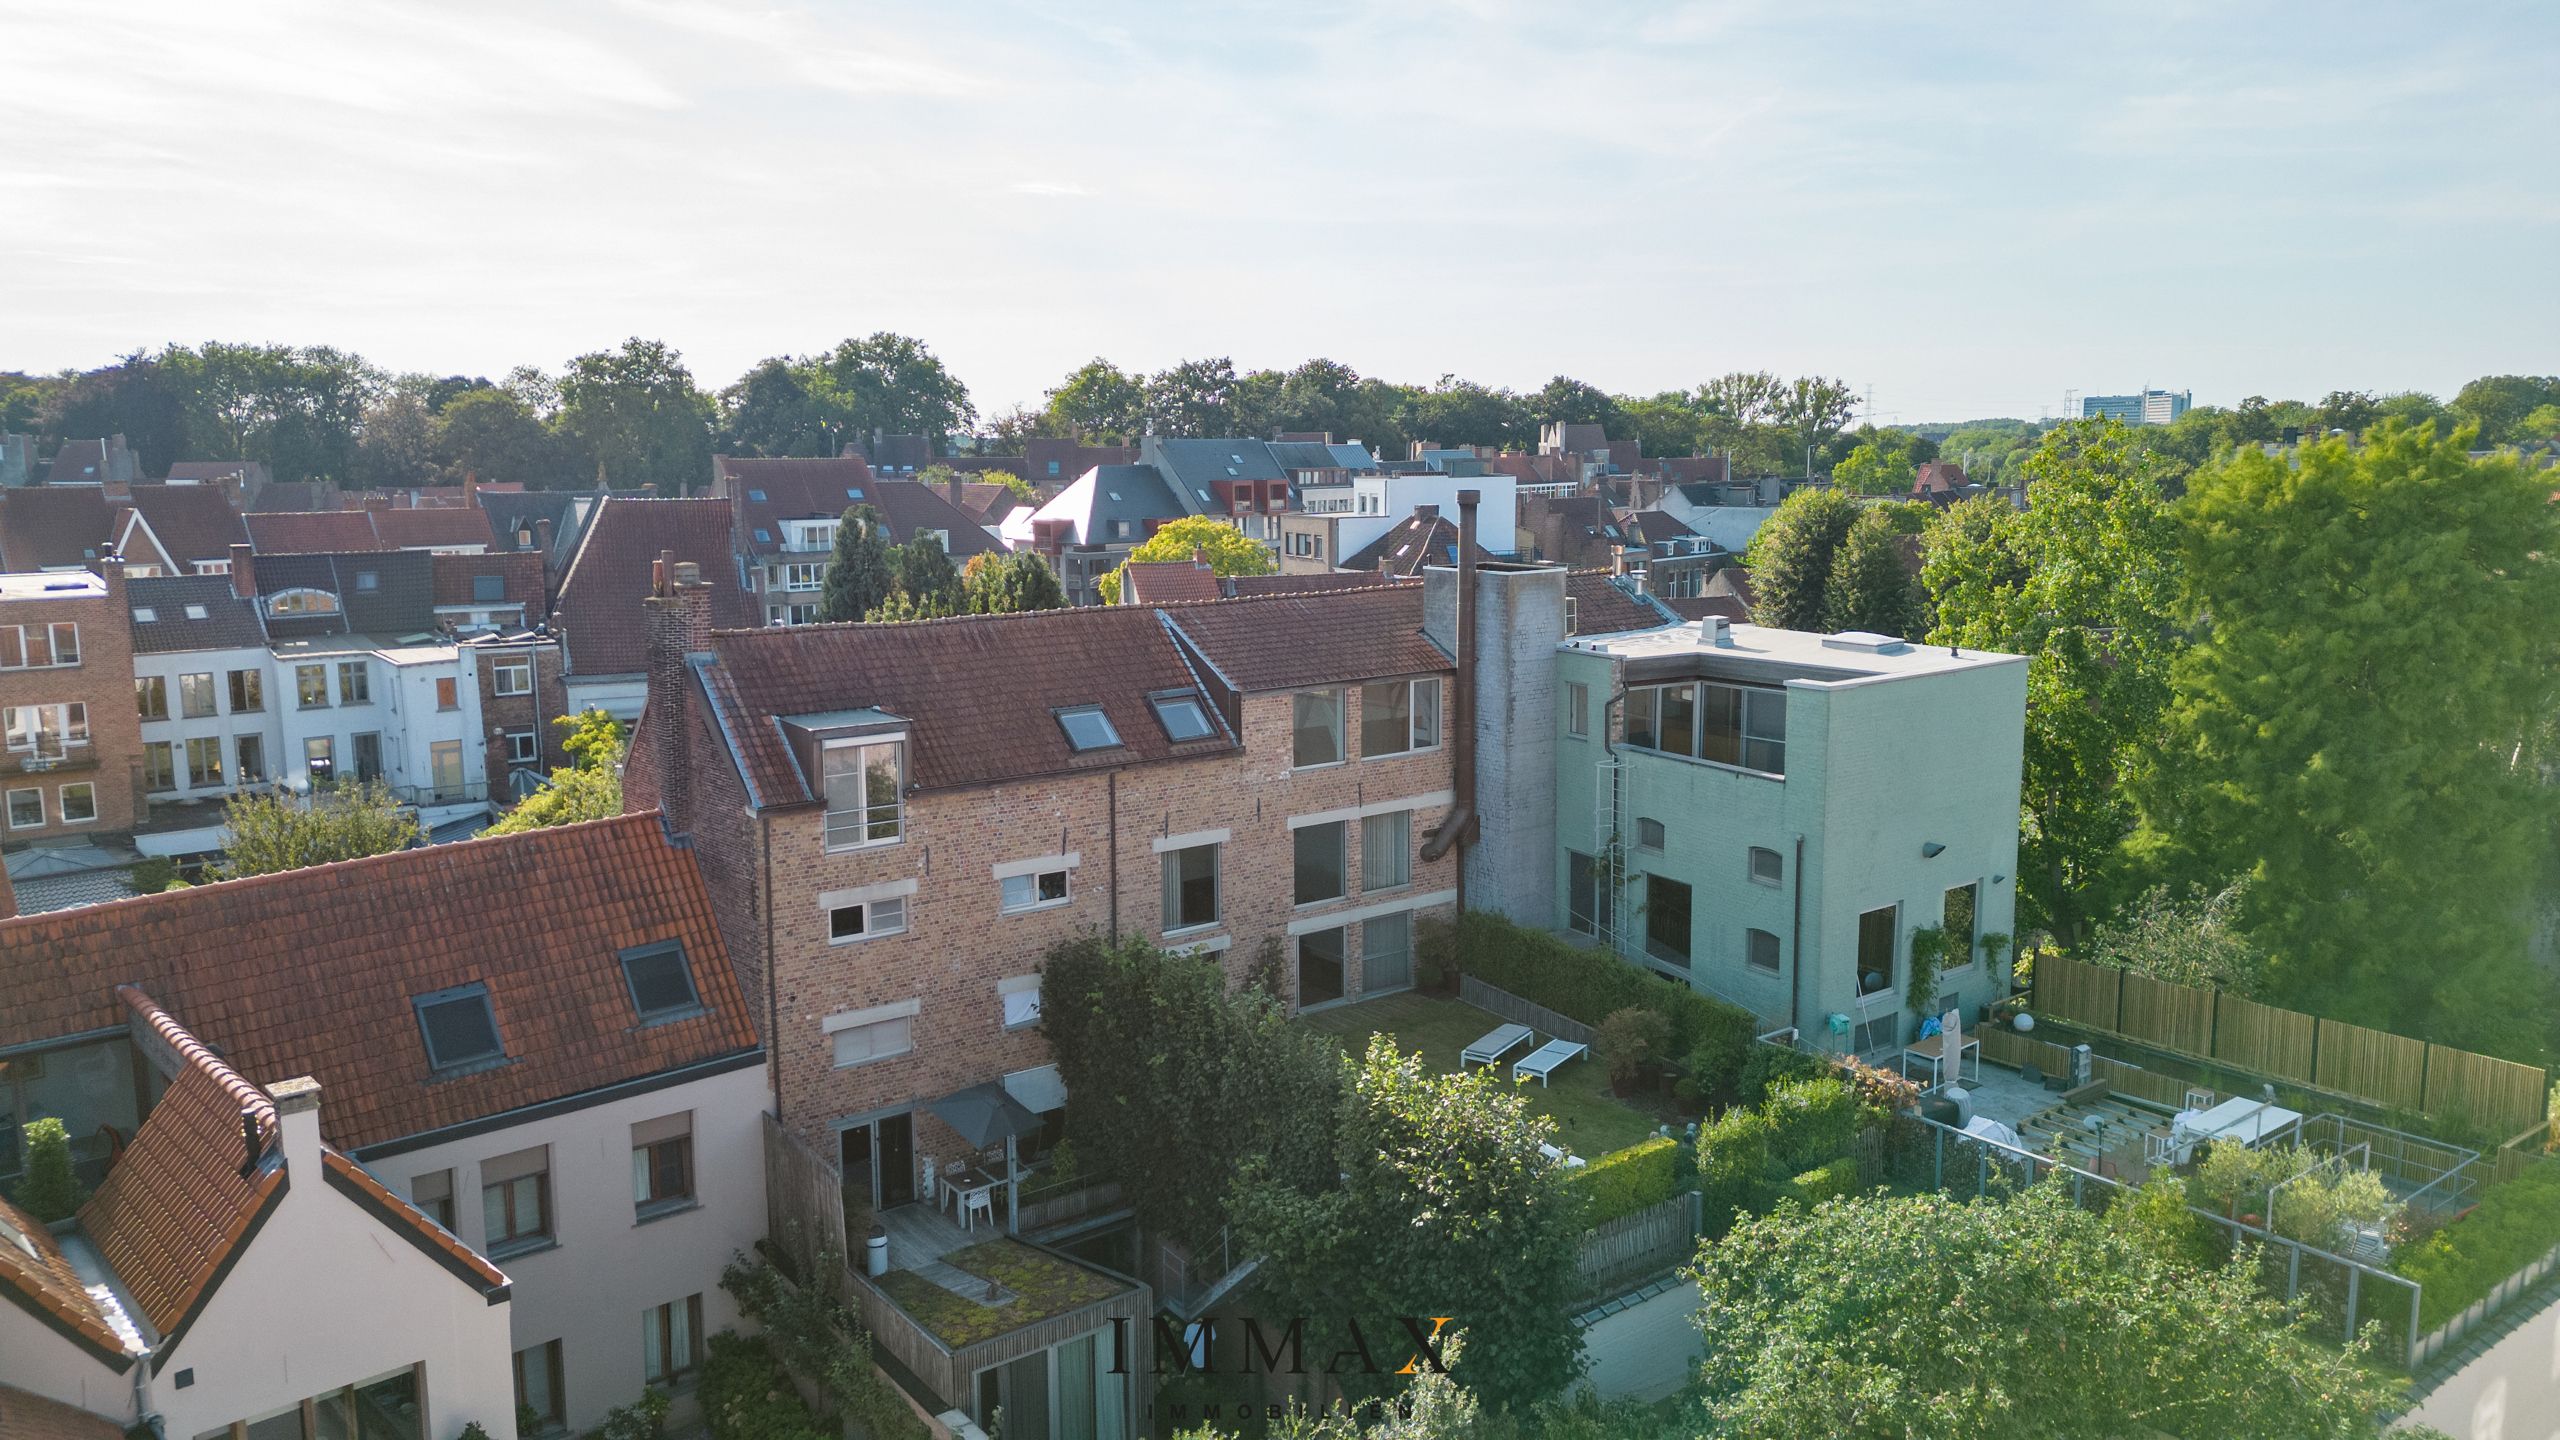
589,789
862,572
1100,402
493,434
928,577
1570,401
637,412
1790,559
1230,551
1871,588
278,831
997,582
896,385
1195,398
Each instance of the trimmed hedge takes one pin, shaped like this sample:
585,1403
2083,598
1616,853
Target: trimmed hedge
745,1395
1626,1181
2514,1225
1814,1186
1589,985
1770,1065
1733,1167
1812,1121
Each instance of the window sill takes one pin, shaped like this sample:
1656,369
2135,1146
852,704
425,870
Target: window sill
1303,906
873,1060
1191,932
1320,765
518,1249
862,845
1036,909
836,940
1402,754
660,1210
669,1017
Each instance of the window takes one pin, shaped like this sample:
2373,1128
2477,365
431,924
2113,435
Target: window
1768,867
448,693
538,1387
368,747
444,768
522,749
1021,996
13,647
864,806
204,762
1648,834
1053,467
804,575
65,636
151,697
1184,717
662,1165
1088,728
1320,967
1959,924
1386,851
515,1201
26,809
1320,867
1190,888
1034,892
197,612
513,677
1737,725
1588,894
1577,708
1666,920
1760,950
1397,716
253,760
660,982
1572,616
195,695
320,758
867,919
159,765
302,602
882,1039
248,692
433,1194
800,615
488,589
1315,729
670,1340
459,1027
79,802
1876,937
310,686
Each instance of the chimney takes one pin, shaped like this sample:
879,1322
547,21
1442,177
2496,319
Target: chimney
1458,827
953,484
1199,555
298,1121
1426,514
679,626
8,896
244,573
542,534
470,486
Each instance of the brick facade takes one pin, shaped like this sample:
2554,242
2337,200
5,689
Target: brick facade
109,763
506,716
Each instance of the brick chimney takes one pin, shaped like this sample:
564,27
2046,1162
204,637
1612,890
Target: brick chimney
542,535
953,486
679,626
8,895
244,572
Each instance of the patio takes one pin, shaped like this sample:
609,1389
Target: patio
1590,1121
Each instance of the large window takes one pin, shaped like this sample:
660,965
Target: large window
671,1340
538,1387
310,686
1399,715
662,1165
515,1200
1315,728
863,790
204,762
1386,851
195,695
368,755
1386,953
1738,725
151,697
1666,920
881,1039
159,765
79,802
1190,888
26,809
248,692
1320,966
1587,897
253,760
1320,867
1959,923
46,729
1877,933
320,758
444,768
383,1408
512,677
355,683
65,637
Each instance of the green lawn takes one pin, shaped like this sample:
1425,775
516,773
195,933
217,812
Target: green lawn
1043,1286
1589,1121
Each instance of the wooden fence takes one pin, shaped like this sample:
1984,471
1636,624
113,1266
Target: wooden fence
2370,1065
1511,1007
1637,1247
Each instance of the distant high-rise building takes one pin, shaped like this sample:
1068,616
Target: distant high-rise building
2151,407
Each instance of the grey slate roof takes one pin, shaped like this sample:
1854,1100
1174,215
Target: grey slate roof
229,623
1316,455
400,601
1135,493
1192,464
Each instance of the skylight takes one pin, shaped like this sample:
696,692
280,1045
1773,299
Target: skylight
145,614
459,1027
1183,717
763,536
195,612
660,982
756,495
1088,728
852,492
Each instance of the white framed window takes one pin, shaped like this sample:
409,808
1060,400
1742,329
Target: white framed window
804,575
78,802
310,686
1768,867
64,635
1577,708
865,792
860,1037
1315,728
45,729
866,919
1021,997
355,684
522,749
1039,890
1190,888
26,809
302,602
801,615
512,677
1399,717
195,696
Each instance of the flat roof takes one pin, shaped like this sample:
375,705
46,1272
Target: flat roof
1790,654
53,585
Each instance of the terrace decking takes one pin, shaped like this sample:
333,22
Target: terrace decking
2103,1135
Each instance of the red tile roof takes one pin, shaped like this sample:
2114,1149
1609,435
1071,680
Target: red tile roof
1152,582
790,489
52,527
1601,607
1411,544
520,571
313,532
1699,607
599,608
28,1416
1289,642
45,1284
312,972
979,692
1245,586
425,527
191,522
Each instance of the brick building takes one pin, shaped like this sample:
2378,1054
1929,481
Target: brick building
522,690
73,739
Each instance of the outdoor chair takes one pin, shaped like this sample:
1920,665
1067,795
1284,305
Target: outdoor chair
2198,1099
981,1203
1497,1042
1545,1059
2031,1072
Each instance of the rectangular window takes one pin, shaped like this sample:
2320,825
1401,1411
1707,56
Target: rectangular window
320,758
432,1193
355,683
1649,835
868,920
538,1387
1398,716
159,765
660,982
1959,925
253,760
195,695
1768,867
1190,888
1586,894
1642,707
79,803
13,647
1386,851
515,1200
448,693
804,576
1320,967
248,692
1386,953
310,686
46,729
1022,1006
1320,867
513,677
879,1040
1677,722
1737,725
662,1164
204,762
521,749
1034,892
1877,940
1183,717
459,1027
865,803
151,697
1666,920
488,589
444,768
65,635
1315,728
1088,728
368,746
1577,708
26,809
670,1341
1760,950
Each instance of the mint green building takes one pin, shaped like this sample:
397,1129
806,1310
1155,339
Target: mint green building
1769,815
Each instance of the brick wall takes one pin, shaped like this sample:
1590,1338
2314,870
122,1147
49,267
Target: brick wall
505,715
102,680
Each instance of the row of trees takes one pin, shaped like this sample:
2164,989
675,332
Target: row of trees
2325,679
869,578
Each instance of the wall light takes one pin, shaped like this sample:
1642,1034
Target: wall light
1931,850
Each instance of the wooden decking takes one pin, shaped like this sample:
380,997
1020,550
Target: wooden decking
920,1235
2110,1128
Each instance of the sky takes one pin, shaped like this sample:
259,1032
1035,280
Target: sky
1968,211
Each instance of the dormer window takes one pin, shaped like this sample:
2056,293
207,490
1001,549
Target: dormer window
302,602
459,1027
1088,728
864,783
660,982
1183,717
368,581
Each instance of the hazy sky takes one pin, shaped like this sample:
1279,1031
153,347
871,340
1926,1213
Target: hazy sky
1970,213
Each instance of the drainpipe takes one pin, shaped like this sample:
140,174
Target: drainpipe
1795,950
1458,828
1111,845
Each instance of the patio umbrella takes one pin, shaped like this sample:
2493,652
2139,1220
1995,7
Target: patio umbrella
984,1114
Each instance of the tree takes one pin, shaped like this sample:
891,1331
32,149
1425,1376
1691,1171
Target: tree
1790,559
300,411
997,582
927,575
278,831
1570,401
862,572
139,397
1810,412
2541,425
1021,488
1870,588
1444,1205
1883,462
902,606
894,384
1099,402
2361,726
637,412
398,447
2348,410
1663,425
494,435
1881,1316
2415,409
49,1190
2189,938
2498,404
589,789
783,406
1194,398
1230,551
1461,412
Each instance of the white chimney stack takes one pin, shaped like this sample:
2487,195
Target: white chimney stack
298,1118
1714,630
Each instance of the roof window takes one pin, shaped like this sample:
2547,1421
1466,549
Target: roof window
368,580
853,492
763,536
145,614
1088,728
196,612
459,1027
1183,717
660,981
756,495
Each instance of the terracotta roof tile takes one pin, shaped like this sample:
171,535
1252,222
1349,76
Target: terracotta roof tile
424,527
1153,582
410,1218
28,1416
1289,642
1601,606
600,609
312,972
51,527
313,532
192,522
45,1283
519,574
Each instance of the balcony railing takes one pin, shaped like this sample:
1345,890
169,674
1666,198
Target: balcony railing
475,792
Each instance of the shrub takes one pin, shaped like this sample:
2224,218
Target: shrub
1877,1088
1769,1065
642,1419
820,1340
1628,1039
2157,1218
48,1190
1626,1181
1590,985
2513,1225
745,1395
1733,1167
1839,1177
1811,1122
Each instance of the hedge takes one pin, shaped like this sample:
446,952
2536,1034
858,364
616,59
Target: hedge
1812,1122
2514,1225
1590,984
1768,1066
1625,1181
1733,1167
1814,1186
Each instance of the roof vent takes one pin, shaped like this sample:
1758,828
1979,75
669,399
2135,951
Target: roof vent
1714,630
1864,640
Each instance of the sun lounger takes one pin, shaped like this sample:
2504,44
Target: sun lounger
1544,1060
1499,1041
